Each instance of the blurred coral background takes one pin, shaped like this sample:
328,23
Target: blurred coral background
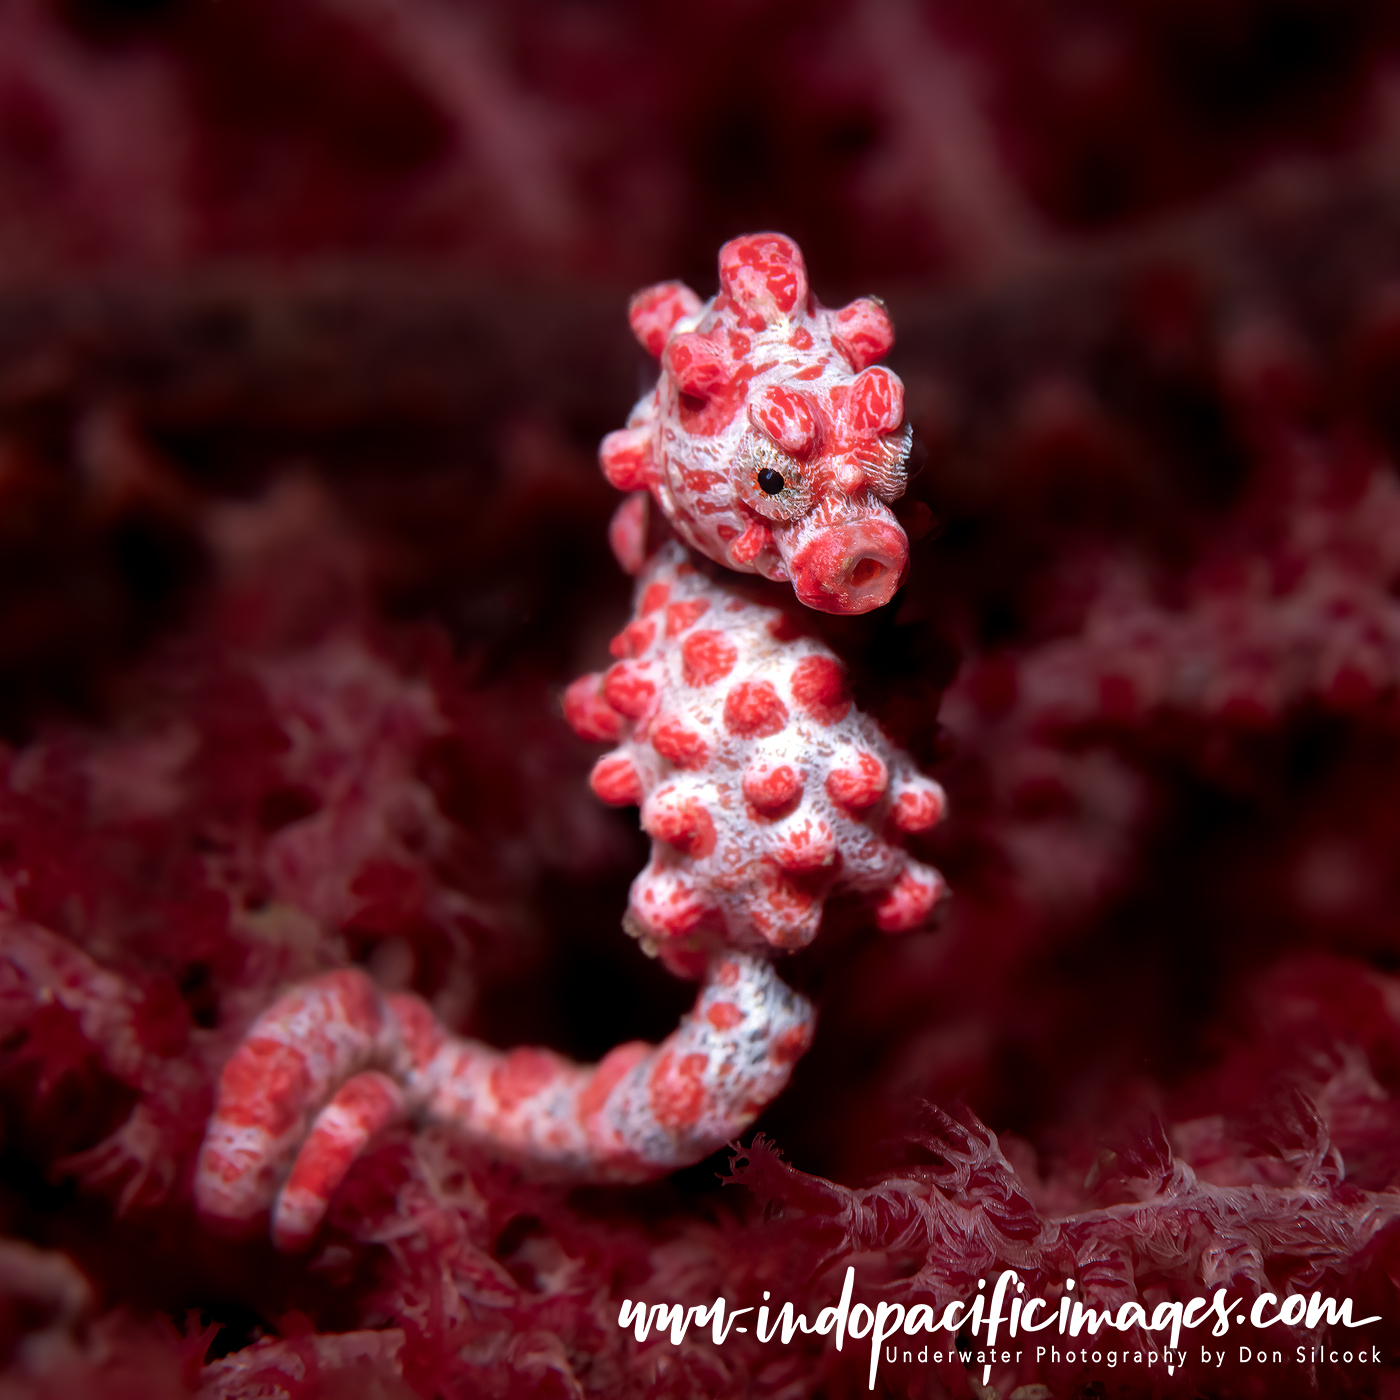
311,316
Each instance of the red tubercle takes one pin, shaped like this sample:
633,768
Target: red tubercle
675,909
808,847
753,709
625,456
787,418
790,1045
680,821
628,690
679,616
859,783
588,712
765,273
614,780
917,809
863,332
772,787
677,1089
633,640
679,744
699,365
627,532
522,1075
707,657
724,1015
819,686
907,904
873,403
684,960
654,310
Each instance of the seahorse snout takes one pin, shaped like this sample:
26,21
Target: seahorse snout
853,567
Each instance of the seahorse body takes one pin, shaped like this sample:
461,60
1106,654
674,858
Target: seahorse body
775,447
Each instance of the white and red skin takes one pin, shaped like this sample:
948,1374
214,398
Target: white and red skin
763,375
763,787
334,1062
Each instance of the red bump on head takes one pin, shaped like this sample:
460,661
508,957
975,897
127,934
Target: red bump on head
625,457
681,746
765,273
786,417
863,332
873,403
627,532
707,657
614,779
654,310
859,783
772,787
699,366
819,687
588,712
753,710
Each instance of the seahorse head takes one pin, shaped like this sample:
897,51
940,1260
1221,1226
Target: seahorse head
772,442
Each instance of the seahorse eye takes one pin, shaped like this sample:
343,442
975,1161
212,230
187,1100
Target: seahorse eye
770,481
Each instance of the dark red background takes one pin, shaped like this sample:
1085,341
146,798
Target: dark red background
311,315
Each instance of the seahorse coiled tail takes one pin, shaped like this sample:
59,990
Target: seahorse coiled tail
330,1065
